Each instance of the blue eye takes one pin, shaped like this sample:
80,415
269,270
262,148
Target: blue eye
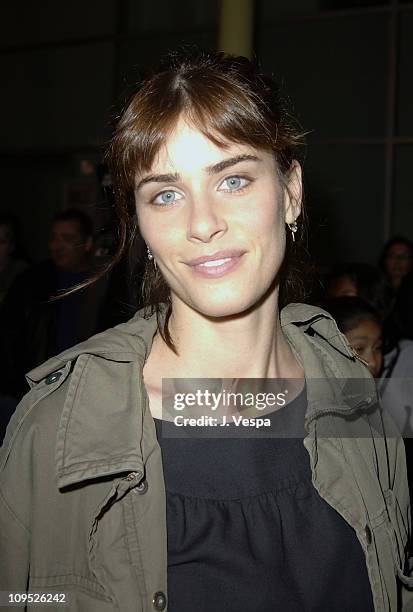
166,197
235,183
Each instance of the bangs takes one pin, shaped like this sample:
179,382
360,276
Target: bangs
223,111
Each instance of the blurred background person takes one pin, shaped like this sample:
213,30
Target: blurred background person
362,326
400,323
360,280
12,261
33,324
396,260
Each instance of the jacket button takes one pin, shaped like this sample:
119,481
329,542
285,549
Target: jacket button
52,378
134,476
142,487
369,536
159,601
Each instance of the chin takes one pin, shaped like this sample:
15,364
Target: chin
232,300
223,308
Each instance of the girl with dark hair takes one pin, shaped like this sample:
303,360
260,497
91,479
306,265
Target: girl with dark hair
362,326
396,260
103,500
362,280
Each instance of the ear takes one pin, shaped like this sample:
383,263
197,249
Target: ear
293,192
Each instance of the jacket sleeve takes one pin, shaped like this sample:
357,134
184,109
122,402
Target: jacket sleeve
400,520
15,508
16,484
14,549
26,464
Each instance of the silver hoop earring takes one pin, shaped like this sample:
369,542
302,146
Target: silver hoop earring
293,228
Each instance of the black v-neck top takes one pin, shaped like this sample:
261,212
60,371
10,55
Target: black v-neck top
248,532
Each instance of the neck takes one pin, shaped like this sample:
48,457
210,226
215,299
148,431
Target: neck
248,345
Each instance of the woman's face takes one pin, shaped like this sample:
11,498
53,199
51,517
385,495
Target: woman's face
366,340
398,262
214,219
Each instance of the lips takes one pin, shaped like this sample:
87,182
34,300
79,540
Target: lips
215,257
217,264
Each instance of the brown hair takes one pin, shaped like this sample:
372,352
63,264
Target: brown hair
228,99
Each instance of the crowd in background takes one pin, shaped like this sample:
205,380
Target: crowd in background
372,305
40,314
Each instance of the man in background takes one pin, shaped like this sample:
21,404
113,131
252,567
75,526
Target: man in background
33,325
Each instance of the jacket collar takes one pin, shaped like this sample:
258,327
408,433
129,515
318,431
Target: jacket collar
132,341
326,358
127,342
337,381
101,428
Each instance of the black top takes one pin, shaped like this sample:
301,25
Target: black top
248,532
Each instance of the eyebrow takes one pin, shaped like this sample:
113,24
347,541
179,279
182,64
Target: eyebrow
213,169
227,163
158,178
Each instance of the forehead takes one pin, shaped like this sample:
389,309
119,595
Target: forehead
399,247
69,226
366,328
187,149
343,283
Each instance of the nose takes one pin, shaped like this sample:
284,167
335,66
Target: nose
205,222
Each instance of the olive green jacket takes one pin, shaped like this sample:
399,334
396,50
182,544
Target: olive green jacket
82,499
